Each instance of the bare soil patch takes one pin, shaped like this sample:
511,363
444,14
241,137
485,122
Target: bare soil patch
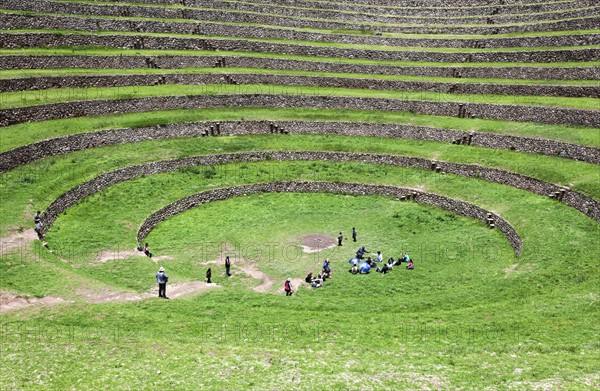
117,255
16,241
313,243
173,291
10,301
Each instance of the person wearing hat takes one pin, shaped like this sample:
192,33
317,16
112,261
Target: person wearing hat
288,287
162,278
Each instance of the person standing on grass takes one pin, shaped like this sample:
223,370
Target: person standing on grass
37,218
227,266
39,227
354,234
340,239
288,287
208,276
162,279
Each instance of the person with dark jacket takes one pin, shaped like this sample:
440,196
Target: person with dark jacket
288,287
354,234
227,266
161,279
309,277
208,275
361,252
340,239
147,251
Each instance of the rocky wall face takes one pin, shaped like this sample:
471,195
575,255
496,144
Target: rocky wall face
41,83
76,142
584,204
19,22
175,62
30,40
268,15
521,113
357,189
409,8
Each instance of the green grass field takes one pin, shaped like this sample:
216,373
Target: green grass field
78,309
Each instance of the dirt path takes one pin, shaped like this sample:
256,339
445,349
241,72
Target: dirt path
16,241
173,291
10,301
116,255
265,281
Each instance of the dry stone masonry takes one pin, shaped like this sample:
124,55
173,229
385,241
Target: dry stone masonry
221,61
357,189
40,83
570,19
36,22
42,39
76,142
583,203
514,112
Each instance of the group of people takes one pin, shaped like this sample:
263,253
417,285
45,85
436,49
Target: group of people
319,280
341,236
162,278
359,267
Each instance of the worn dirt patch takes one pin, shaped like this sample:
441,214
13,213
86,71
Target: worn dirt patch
313,243
11,301
16,241
117,255
265,281
173,291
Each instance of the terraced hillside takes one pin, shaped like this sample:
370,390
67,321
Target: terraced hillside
464,133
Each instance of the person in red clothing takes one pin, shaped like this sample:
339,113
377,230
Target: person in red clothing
288,287
410,265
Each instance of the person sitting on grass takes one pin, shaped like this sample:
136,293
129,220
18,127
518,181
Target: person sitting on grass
384,269
371,263
354,269
404,258
309,277
379,257
317,282
147,251
410,265
390,263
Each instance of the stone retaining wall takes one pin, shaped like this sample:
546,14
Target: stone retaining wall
584,204
31,40
435,8
41,83
521,113
357,189
63,145
34,22
293,17
176,62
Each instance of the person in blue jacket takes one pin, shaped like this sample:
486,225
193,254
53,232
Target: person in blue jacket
161,279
